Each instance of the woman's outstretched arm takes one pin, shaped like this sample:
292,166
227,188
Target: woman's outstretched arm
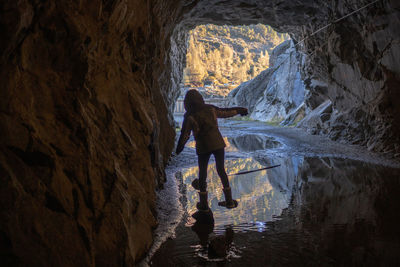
230,112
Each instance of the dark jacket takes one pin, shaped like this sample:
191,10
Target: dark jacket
204,125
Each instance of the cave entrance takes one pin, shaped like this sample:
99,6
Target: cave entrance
310,165
219,58
224,63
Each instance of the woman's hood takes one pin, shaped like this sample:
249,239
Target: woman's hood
193,101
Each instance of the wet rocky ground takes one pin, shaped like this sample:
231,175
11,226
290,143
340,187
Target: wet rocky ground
326,204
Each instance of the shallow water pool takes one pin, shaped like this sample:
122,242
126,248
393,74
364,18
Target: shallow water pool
309,211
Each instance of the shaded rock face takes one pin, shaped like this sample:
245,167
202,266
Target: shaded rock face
355,66
277,92
87,95
84,131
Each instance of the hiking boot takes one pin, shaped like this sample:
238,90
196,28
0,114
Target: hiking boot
196,184
203,204
229,203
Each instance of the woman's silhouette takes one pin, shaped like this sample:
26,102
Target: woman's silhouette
201,119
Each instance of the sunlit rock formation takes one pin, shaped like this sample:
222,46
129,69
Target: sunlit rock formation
277,92
87,93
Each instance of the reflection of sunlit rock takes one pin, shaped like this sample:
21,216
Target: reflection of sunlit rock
285,176
303,192
254,142
258,199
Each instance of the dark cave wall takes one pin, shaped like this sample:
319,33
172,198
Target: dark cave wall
84,123
355,64
84,130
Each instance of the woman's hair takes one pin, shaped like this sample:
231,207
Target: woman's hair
193,101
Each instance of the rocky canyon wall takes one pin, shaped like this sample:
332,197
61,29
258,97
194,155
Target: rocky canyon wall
85,109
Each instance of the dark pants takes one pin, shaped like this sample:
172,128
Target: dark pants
219,156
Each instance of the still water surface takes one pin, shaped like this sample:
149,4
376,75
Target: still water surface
259,200
310,211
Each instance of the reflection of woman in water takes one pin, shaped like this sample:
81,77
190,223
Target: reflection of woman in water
202,120
216,246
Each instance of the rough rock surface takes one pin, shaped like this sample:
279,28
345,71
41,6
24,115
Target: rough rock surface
318,116
248,93
276,92
285,90
84,131
87,95
355,65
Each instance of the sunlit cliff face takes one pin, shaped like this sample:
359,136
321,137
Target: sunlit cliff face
87,93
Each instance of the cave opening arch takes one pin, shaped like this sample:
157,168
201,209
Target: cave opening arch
346,73
250,66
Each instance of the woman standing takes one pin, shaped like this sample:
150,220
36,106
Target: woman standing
201,119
